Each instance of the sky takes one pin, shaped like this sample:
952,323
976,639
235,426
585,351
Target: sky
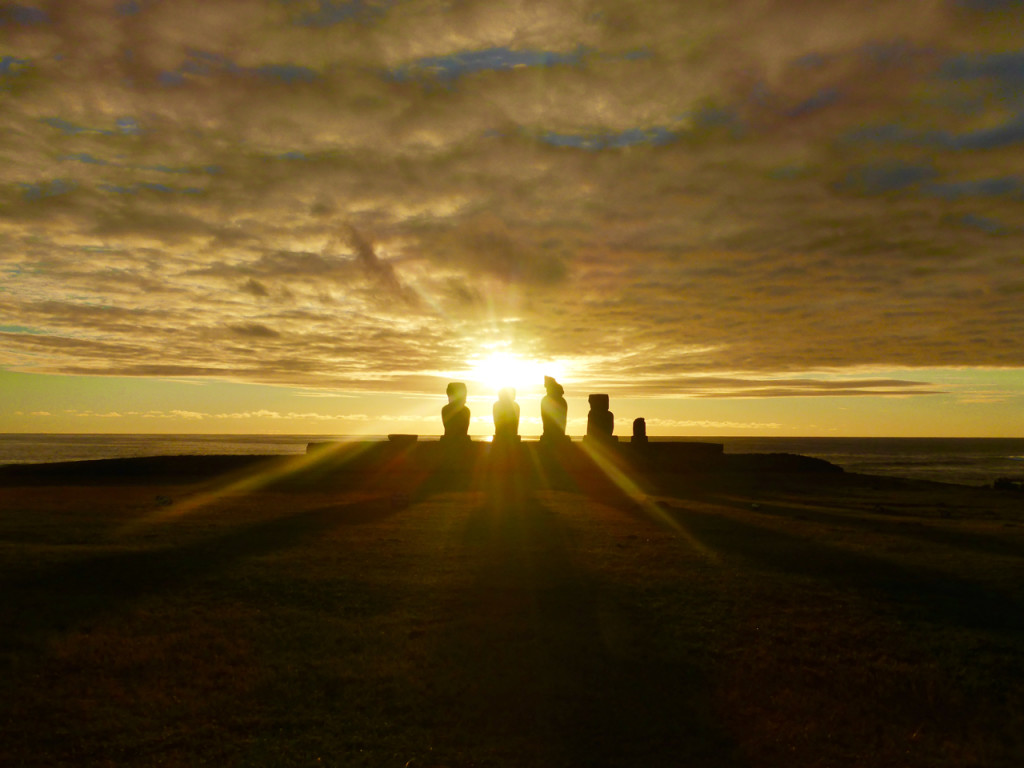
758,217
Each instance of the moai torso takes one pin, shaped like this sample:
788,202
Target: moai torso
506,417
553,410
455,415
600,421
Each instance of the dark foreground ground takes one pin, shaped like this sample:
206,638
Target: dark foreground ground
517,612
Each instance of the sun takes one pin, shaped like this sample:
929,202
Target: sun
506,369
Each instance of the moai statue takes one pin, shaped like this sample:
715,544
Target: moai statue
553,412
639,431
506,417
600,421
455,415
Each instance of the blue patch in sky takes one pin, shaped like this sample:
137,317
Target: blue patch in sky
879,178
702,119
44,189
710,117
456,65
293,155
205,64
331,12
181,169
129,126
165,169
592,142
23,15
151,187
1006,69
128,8
70,129
1005,186
987,5
85,157
1010,132
288,73
984,223
825,97
171,79
64,126
637,54
12,65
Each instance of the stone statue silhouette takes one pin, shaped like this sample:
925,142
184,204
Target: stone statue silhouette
455,415
506,417
600,421
553,411
639,431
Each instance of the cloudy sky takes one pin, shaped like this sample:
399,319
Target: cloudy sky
757,216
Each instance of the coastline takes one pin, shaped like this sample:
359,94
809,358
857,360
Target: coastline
325,459
965,461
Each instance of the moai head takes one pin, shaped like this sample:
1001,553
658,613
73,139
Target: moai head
456,392
552,387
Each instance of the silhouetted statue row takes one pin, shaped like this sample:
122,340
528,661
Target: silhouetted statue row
553,413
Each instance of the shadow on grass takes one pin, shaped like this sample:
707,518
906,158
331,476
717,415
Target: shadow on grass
905,528
544,683
890,520
929,594
62,597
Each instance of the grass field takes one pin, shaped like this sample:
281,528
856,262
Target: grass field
772,621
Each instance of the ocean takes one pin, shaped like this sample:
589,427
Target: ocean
969,461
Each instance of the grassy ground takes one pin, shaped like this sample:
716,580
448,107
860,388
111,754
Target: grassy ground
510,621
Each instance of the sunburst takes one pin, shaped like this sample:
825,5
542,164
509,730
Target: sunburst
501,369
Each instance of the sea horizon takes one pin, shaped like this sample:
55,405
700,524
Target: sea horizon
964,460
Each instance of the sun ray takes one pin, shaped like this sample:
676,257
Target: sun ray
610,465
248,481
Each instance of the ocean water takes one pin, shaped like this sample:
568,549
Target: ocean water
967,460
36,449
970,461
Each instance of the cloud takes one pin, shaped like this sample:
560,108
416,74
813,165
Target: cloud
255,287
681,199
658,423
380,271
189,415
255,330
703,386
